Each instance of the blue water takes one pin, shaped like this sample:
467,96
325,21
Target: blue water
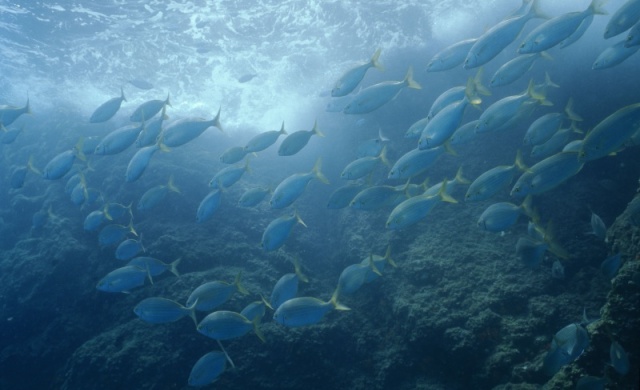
434,322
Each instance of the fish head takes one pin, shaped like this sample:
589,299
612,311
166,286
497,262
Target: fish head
471,61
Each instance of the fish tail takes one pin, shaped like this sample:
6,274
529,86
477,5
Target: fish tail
519,163
167,102
239,285
597,7
372,265
282,130
105,211
409,81
315,129
388,257
470,93
536,12
383,156
148,271
539,97
172,186
381,136
298,270
460,178
570,113
575,129
548,82
257,330
27,108
216,120
162,146
78,149
334,301
527,206
164,115
546,56
374,60
173,266
477,83
192,311
443,193
319,175
448,149
122,94
132,230
31,167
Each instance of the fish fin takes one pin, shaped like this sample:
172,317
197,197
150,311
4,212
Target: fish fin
173,266
167,102
266,303
226,355
315,129
31,167
334,301
477,83
257,330
148,273
387,257
383,156
470,93
519,163
448,149
381,136
374,60
299,220
298,270
172,186
460,178
239,285
546,56
164,115
527,206
282,130
575,129
192,312
161,145
131,228
122,94
408,79
597,7
27,107
372,265
536,12
78,148
216,120
316,171
443,193
570,113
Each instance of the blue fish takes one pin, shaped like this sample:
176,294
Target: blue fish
208,205
118,140
619,358
287,286
451,56
8,114
294,142
151,131
185,130
140,161
213,294
375,96
61,164
154,195
501,216
304,311
228,176
253,197
154,266
610,266
350,80
342,196
256,310
149,109
263,140
158,310
293,186
129,248
106,110
233,155
225,325
114,233
567,345
207,369
279,230
123,279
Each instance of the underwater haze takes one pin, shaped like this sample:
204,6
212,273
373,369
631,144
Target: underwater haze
320,194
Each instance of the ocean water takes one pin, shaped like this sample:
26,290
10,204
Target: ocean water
459,311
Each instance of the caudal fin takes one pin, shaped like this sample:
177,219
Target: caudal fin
374,60
316,171
408,79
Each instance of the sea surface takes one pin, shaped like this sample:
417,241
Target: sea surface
457,309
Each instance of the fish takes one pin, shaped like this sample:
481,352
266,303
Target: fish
294,142
451,184
547,174
416,208
464,134
233,155
372,147
293,186
304,311
610,134
623,19
589,382
117,210
498,37
154,266
154,195
89,145
555,144
79,193
350,80
106,110
342,196
156,310
213,294
376,197
354,276
19,174
9,136
557,270
209,205
279,230
451,56
140,161
338,104
129,248
225,325
379,263
375,96
118,140
114,233
207,369
364,166
598,228
287,286
9,114
228,176
263,140
246,77
149,109
531,251
41,217
95,219
494,180
256,309
61,164
416,128
610,265
416,162
553,31
140,84
502,111
516,68
123,279
253,197
185,130
567,345
442,126
633,38
547,125
614,55
573,146
151,130
578,33
619,358
500,216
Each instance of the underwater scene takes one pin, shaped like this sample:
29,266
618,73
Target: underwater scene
307,194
